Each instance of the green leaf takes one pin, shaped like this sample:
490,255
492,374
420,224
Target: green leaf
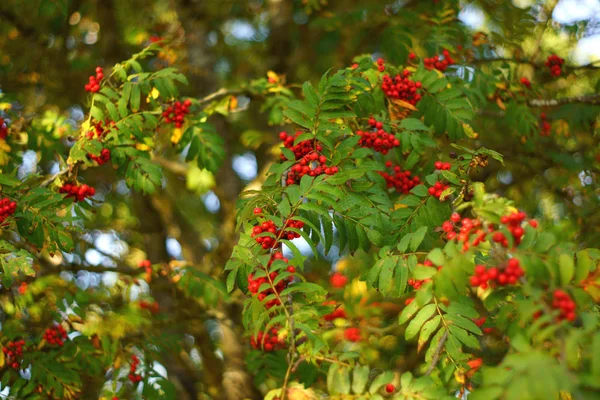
381,380
462,335
428,329
422,316
338,380
567,268
413,124
360,377
417,238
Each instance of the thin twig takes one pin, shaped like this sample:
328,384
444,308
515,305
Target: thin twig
51,179
587,99
437,353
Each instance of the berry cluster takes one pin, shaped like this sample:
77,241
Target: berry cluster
13,352
339,312
55,335
3,129
267,341
176,113
462,230
152,307
133,376
94,82
22,288
513,223
309,160
401,87
442,166
402,181
352,335
480,322
545,127
380,64
437,189
268,242
254,283
416,283
301,149
435,62
484,277
79,193
7,208
555,63
338,280
100,129
563,302
378,139
103,158
526,82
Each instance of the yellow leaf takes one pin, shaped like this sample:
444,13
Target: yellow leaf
154,93
397,206
1,359
470,132
142,147
176,136
500,103
5,106
399,109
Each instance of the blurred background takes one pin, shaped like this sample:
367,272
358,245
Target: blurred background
49,48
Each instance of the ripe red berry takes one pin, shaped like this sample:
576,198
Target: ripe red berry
258,211
389,388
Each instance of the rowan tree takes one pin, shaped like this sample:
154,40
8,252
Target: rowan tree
298,200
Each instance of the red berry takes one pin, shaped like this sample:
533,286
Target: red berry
389,388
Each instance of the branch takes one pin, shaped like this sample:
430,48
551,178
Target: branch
438,352
218,94
592,65
51,179
586,99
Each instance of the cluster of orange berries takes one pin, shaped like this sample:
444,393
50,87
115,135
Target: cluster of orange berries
13,353
564,303
435,62
133,376
269,277
380,65
480,322
176,113
402,181
401,87
437,189
378,139
3,129
442,166
555,63
55,335
7,208
417,283
152,307
352,335
268,242
310,162
463,229
338,280
78,192
339,312
100,129
513,222
102,159
545,127
94,82
509,275
267,341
